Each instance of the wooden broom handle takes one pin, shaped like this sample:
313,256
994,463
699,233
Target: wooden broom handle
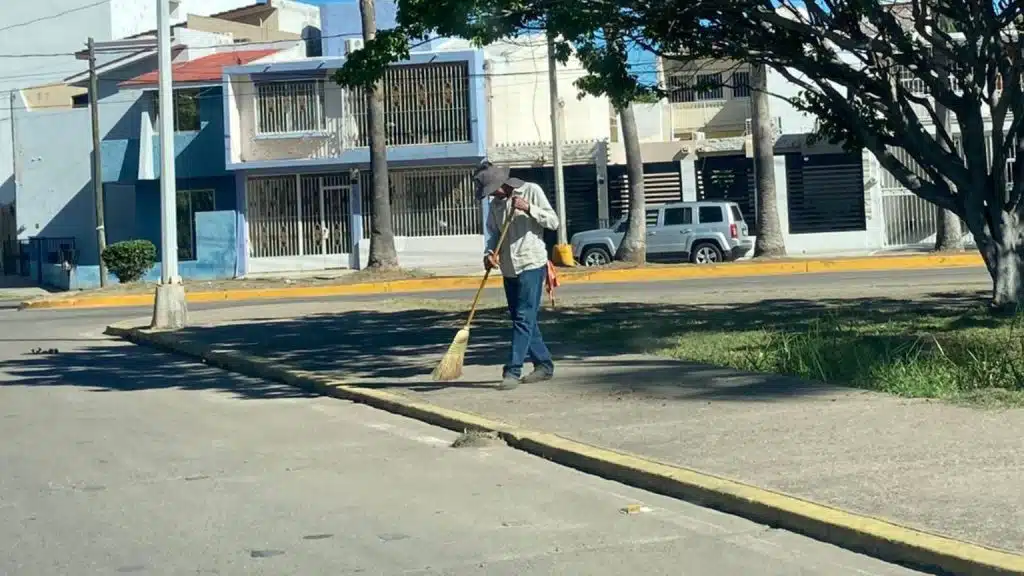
487,273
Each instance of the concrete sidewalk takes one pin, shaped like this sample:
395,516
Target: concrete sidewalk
937,467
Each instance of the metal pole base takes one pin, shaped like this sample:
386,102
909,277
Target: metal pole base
170,311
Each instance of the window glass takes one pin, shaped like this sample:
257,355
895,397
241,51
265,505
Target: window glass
736,214
189,203
710,214
678,216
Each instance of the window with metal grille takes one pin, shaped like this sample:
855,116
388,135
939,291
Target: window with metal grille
699,88
741,84
423,104
290,107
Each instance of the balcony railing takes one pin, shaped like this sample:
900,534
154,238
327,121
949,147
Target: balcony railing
423,104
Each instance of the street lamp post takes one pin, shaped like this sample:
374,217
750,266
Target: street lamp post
170,311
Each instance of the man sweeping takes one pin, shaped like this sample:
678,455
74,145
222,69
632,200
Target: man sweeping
523,261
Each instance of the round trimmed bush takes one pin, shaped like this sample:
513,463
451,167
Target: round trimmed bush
130,260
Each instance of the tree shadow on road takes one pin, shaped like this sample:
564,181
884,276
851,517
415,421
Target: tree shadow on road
118,366
398,349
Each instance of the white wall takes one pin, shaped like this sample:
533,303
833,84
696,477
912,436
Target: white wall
295,17
520,109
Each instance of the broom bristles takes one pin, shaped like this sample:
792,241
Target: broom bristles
450,366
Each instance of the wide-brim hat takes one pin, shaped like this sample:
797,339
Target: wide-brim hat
488,177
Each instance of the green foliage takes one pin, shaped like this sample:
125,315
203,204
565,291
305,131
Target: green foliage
976,363
130,260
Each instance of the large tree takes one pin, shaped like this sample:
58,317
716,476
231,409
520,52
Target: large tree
603,50
875,73
872,71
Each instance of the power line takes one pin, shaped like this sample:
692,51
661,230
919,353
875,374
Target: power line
112,101
53,16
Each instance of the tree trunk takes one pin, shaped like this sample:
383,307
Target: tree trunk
382,233
769,242
633,247
1004,257
948,235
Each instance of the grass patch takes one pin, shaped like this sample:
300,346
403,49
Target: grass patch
928,358
941,346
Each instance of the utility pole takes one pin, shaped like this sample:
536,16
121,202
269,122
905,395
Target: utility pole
169,310
97,162
563,252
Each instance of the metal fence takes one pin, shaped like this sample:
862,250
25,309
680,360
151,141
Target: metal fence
911,220
30,257
423,104
428,202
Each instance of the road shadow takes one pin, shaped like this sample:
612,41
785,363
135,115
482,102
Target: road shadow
603,343
399,349
117,367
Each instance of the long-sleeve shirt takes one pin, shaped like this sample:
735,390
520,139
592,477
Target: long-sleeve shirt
524,247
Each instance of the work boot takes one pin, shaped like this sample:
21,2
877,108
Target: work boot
509,383
539,374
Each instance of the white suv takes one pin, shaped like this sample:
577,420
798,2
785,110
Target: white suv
699,232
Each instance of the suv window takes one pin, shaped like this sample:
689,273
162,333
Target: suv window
710,214
736,214
652,217
678,216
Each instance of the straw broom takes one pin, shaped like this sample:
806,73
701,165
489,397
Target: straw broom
450,366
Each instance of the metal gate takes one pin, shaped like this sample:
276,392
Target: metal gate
662,184
825,193
580,193
298,222
729,178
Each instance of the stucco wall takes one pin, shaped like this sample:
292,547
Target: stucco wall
62,27
520,110
54,155
215,246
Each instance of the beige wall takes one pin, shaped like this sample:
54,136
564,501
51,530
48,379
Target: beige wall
241,31
51,96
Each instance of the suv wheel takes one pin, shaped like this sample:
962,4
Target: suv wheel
706,253
596,256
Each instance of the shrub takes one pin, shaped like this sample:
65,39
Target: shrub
130,260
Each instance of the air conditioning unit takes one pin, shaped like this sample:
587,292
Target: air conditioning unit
353,44
691,136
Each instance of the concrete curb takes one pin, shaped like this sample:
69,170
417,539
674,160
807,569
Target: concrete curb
683,272
872,536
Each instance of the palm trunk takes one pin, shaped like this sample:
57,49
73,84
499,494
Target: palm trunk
633,247
948,235
382,233
769,242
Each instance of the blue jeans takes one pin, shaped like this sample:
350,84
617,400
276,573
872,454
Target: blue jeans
524,293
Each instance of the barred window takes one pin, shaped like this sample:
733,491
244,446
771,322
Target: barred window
682,89
290,107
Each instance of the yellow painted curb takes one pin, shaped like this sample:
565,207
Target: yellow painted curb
873,536
682,272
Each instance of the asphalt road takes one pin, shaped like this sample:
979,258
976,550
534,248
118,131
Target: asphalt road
119,459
